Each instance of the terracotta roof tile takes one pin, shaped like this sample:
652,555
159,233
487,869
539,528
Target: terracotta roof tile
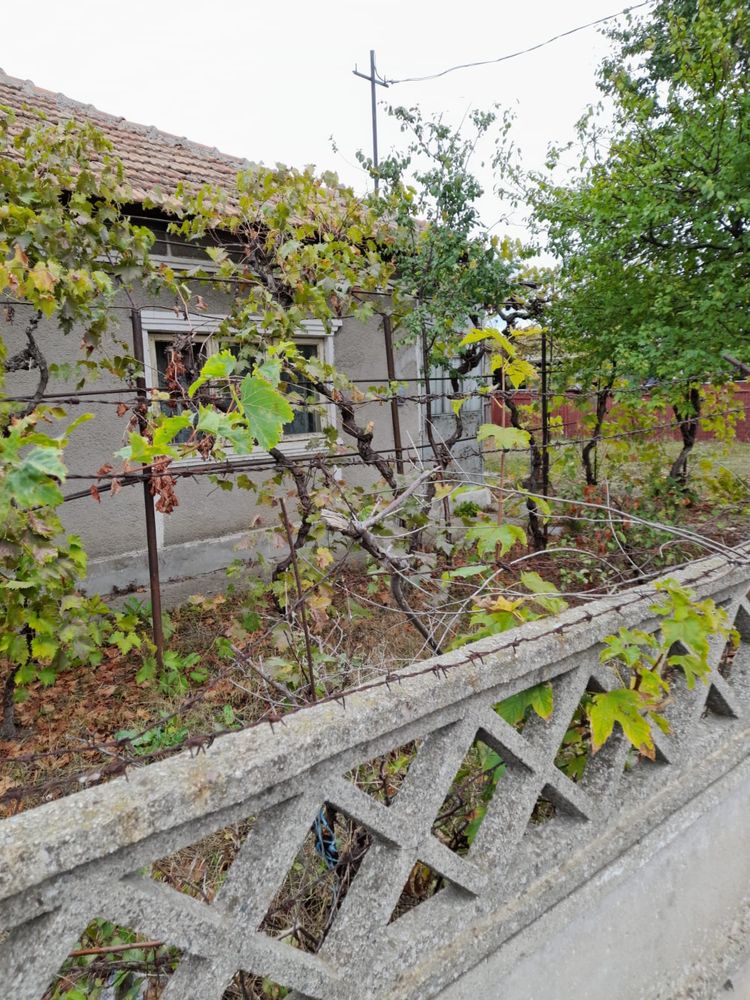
154,161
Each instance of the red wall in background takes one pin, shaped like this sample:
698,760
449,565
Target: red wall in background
572,423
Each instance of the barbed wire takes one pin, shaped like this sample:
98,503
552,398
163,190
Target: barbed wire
200,741
258,463
125,758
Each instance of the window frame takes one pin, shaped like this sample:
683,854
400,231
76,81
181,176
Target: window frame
163,325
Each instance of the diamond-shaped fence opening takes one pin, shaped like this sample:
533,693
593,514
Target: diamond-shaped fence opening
545,808
422,884
687,698
200,869
464,806
734,665
115,962
553,802
728,682
305,905
246,986
382,777
596,774
550,712
729,658
574,752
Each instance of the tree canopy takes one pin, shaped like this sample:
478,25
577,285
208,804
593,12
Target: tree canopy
653,227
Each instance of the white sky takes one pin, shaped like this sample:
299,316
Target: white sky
272,82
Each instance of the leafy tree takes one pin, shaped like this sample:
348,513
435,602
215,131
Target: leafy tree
653,231
450,273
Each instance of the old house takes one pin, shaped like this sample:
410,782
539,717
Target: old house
209,528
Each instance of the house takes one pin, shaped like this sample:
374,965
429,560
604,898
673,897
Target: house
210,528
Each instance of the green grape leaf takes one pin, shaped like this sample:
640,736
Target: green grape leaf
625,707
265,409
217,366
489,537
539,698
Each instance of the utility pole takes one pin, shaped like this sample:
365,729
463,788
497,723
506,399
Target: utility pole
390,360
372,77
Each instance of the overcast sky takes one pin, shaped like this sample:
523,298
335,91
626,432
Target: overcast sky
273,81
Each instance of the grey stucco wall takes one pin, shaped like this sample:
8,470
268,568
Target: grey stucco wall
113,531
668,920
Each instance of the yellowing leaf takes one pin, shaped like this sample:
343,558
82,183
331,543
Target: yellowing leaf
519,371
443,490
546,593
323,557
476,336
503,604
624,707
504,437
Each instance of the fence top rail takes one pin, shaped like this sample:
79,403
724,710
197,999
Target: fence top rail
96,822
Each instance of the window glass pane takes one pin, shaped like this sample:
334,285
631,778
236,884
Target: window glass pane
164,368
187,249
306,419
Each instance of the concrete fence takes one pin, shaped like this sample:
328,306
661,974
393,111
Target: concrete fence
561,909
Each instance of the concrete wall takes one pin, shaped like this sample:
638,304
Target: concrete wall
667,920
113,531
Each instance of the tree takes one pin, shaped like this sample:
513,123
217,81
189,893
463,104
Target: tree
653,232
450,273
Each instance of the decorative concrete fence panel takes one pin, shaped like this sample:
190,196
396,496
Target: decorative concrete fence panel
89,855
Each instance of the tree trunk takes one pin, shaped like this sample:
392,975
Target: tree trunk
688,419
8,728
589,449
534,482
306,510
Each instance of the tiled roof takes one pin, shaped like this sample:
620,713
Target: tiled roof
155,161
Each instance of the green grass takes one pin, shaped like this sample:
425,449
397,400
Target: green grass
565,463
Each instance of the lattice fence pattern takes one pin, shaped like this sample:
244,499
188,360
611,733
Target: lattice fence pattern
90,855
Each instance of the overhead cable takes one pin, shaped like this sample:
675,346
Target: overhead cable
520,52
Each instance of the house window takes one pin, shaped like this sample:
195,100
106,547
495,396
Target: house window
310,416
180,251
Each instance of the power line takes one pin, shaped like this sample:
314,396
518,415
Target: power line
520,52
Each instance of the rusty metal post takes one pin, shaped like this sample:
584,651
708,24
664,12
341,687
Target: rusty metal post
545,424
151,546
390,361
